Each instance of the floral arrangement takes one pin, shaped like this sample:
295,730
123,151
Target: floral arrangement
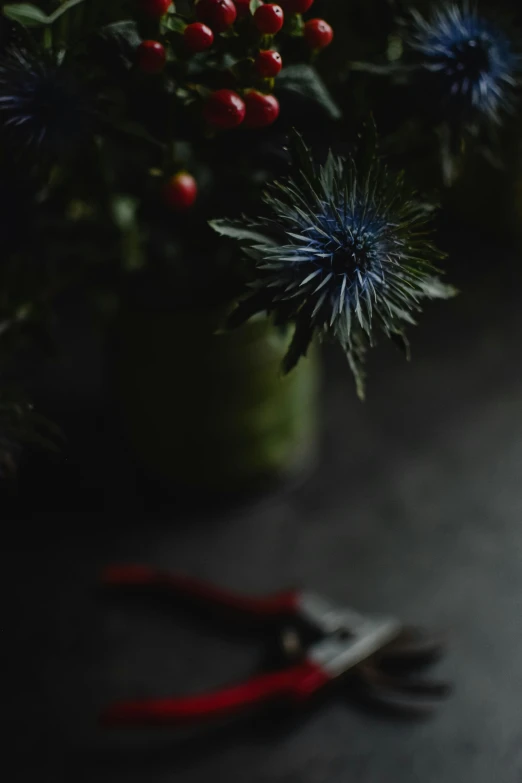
132,131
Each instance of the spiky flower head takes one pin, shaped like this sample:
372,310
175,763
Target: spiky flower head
345,252
475,66
44,110
464,68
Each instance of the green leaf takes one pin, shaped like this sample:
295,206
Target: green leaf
175,23
125,31
63,10
26,14
304,81
32,16
254,5
120,41
117,44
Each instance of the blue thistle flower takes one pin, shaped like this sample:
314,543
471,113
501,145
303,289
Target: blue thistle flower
345,252
475,67
44,109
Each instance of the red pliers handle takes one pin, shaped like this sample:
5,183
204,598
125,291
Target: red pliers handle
277,606
293,684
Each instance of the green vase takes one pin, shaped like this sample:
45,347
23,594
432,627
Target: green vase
206,409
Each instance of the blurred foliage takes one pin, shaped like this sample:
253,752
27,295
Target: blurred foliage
21,426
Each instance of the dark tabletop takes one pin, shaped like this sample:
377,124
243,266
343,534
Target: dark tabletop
415,508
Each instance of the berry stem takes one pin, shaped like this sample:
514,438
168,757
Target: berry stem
294,25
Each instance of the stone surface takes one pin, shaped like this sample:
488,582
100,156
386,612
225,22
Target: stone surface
415,508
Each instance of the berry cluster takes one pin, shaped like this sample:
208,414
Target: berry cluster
252,104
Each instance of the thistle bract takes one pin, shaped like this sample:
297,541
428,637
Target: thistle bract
345,252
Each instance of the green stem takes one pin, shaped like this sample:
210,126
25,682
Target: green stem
64,27
48,38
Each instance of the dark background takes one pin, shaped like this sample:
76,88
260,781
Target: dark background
413,508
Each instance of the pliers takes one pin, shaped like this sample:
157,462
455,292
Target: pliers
319,643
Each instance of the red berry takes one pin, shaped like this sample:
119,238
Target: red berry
269,19
151,57
218,14
224,109
180,191
318,34
155,8
261,110
198,37
242,7
297,6
268,64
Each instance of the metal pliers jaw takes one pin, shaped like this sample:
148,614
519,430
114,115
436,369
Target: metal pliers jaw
382,656
320,643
